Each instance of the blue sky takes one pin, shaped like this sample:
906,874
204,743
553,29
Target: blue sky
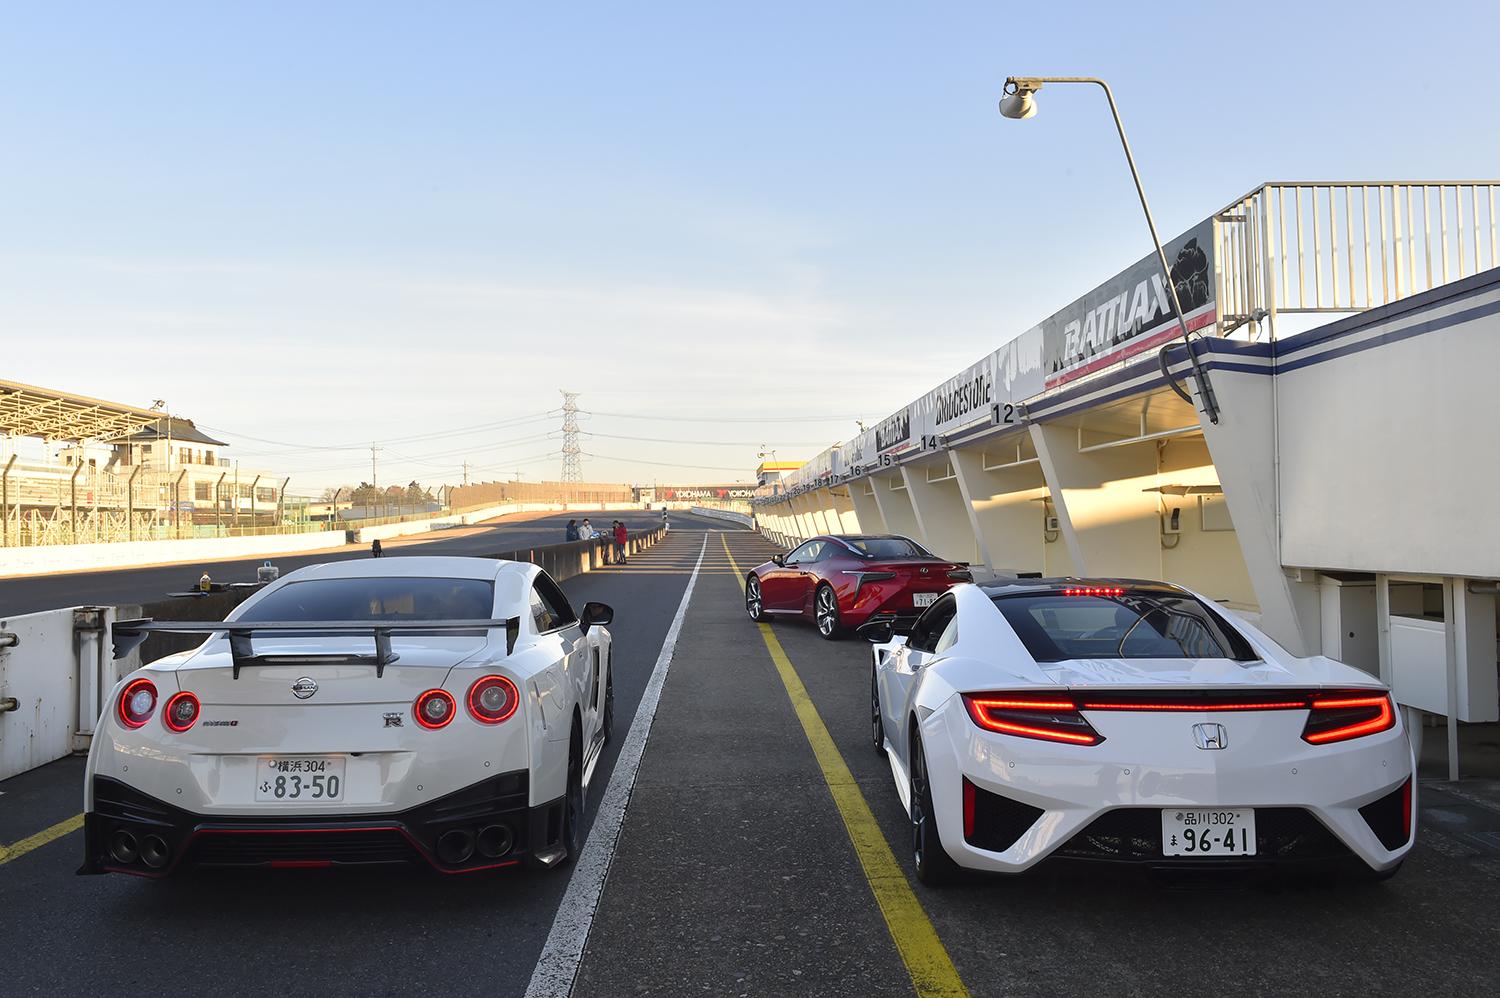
363,221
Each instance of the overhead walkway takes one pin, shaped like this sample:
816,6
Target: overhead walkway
1339,496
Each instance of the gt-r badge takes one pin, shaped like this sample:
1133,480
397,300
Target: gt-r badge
393,719
1210,736
304,688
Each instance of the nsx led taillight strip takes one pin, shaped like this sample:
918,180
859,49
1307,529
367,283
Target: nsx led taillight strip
1333,715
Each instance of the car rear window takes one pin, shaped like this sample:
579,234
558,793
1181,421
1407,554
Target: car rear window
886,547
1134,624
377,599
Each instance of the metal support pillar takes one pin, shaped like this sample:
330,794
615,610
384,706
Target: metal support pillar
5,503
130,504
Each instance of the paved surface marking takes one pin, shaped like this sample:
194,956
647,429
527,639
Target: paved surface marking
558,964
932,971
57,831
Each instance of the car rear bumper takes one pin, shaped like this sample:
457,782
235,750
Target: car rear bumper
1319,806
483,826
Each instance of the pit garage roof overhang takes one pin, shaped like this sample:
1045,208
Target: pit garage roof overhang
29,411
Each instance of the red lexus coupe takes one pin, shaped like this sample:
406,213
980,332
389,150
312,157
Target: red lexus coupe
843,580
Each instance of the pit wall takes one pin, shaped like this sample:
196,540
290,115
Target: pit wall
58,665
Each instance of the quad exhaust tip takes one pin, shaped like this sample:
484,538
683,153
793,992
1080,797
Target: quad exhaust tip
494,841
455,846
122,847
154,851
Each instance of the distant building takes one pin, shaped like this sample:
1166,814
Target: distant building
75,469
768,475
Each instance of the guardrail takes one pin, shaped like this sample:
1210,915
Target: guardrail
730,515
57,671
1346,247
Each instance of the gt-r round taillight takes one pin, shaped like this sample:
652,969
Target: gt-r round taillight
137,702
434,709
180,712
492,699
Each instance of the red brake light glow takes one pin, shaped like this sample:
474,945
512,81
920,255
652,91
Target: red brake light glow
180,712
1094,591
1333,716
1052,720
1341,717
492,699
435,709
137,702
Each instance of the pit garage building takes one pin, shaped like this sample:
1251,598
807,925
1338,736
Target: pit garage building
1341,491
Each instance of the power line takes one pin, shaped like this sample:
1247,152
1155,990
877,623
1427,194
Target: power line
721,419
663,464
713,443
411,438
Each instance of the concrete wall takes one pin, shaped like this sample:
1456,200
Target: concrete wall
83,557
1388,455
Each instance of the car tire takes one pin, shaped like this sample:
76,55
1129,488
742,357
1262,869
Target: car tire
877,726
934,867
573,804
826,613
754,603
608,724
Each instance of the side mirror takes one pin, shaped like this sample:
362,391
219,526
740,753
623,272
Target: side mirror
877,632
779,559
595,613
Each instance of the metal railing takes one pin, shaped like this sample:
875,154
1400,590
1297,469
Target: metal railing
1298,247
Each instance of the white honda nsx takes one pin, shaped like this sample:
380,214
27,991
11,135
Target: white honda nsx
447,712
1132,722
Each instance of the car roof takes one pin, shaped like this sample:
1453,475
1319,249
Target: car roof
428,567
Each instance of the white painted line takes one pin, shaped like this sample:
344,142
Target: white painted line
563,951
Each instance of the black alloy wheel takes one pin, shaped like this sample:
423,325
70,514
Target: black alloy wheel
935,867
753,604
826,611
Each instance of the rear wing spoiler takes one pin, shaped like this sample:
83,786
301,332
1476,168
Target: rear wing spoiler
128,635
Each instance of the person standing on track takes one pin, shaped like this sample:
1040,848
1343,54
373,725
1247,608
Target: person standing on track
621,537
586,530
571,534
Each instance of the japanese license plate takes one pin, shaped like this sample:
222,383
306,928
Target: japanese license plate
923,599
299,778
1214,831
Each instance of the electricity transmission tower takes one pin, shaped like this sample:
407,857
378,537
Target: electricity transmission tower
572,463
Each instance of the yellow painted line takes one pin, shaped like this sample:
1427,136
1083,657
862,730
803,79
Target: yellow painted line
927,961
18,849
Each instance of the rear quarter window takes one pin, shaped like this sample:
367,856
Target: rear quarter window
1138,624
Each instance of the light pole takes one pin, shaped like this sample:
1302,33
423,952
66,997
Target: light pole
1019,103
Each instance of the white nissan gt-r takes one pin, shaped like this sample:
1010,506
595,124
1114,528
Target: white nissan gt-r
1131,722
448,711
